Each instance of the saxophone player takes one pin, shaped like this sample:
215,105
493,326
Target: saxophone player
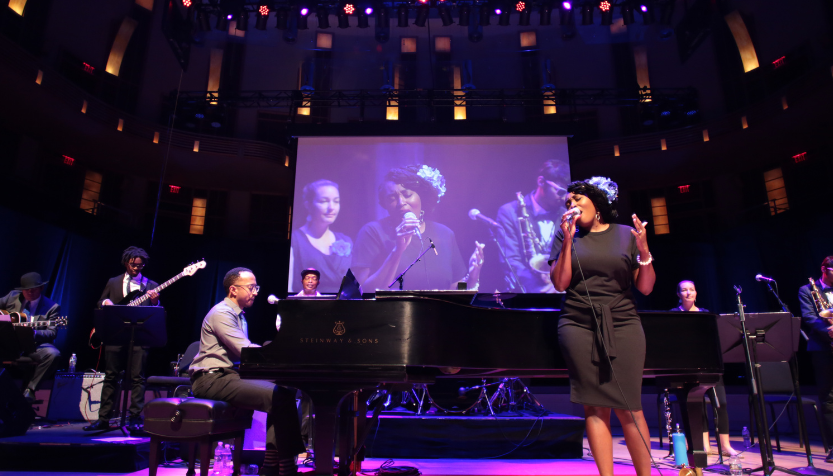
528,225
820,344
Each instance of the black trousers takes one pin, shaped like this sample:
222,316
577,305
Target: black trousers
115,360
46,356
823,366
722,412
283,429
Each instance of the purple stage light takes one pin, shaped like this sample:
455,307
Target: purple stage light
567,5
229,17
498,11
368,10
304,11
644,8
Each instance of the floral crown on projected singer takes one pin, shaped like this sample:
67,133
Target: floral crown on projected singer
433,177
607,186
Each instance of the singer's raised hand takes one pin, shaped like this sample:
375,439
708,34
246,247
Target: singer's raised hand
641,234
406,230
568,225
476,263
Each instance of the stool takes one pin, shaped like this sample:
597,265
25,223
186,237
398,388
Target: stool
195,420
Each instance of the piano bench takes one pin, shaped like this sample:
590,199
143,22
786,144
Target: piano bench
195,420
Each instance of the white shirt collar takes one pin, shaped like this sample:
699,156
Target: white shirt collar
138,278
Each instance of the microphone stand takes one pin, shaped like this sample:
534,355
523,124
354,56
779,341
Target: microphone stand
508,264
401,278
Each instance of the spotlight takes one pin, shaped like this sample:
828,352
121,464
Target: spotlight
520,6
262,17
402,16
222,22
243,20
204,21
323,15
566,15
349,9
445,15
363,21
465,15
187,3
282,15
607,13
627,13
422,15
567,6
368,11
647,14
303,15
523,18
484,15
545,15
587,14
343,19
382,18
498,11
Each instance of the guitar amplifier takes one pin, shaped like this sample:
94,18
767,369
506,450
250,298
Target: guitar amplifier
75,396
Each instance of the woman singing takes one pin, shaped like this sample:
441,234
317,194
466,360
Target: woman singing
386,247
688,298
597,265
315,245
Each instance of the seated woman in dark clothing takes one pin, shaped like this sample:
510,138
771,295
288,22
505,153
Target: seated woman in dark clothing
688,303
315,245
384,248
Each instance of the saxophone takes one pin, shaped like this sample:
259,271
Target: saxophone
532,247
823,307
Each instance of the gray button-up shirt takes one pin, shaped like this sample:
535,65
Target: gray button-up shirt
224,334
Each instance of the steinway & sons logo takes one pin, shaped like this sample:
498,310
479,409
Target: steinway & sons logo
339,330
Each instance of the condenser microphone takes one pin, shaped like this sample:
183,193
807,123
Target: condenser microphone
475,215
413,216
272,299
760,277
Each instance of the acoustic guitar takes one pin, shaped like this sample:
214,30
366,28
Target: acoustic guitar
137,297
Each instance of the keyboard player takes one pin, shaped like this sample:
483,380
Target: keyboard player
223,336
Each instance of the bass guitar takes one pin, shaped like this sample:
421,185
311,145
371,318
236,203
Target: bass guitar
137,297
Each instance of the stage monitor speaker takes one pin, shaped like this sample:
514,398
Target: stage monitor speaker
75,396
15,414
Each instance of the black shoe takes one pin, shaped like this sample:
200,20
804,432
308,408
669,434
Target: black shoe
29,395
829,458
100,425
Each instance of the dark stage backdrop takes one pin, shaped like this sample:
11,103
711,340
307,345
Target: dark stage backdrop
479,172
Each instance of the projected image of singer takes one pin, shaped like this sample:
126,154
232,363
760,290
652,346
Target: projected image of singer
384,248
529,223
315,245
599,330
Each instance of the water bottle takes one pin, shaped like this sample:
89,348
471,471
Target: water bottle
72,361
217,470
747,439
735,467
680,454
228,465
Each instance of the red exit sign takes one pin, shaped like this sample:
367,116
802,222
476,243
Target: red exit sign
68,160
800,157
174,188
684,188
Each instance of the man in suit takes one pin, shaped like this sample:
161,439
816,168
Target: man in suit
134,261
29,300
820,343
544,205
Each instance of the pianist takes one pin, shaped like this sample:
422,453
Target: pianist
603,341
310,278
224,334
386,247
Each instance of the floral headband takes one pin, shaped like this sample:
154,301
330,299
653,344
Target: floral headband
607,186
435,178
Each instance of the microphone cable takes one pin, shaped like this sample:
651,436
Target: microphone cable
607,356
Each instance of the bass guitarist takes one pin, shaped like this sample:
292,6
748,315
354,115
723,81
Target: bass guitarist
122,289
29,300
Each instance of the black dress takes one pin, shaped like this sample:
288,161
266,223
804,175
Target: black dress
608,259
435,271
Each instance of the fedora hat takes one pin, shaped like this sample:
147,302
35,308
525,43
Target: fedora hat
30,281
310,271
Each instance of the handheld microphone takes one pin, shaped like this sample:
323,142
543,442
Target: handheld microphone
433,246
475,215
574,212
272,299
760,277
413,216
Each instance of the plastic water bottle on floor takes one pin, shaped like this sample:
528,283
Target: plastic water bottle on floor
735,467
217,469
747,439
72,362
680,455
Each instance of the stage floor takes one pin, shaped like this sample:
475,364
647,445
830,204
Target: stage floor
791,457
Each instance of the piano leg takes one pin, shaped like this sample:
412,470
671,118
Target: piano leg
328,424
692,394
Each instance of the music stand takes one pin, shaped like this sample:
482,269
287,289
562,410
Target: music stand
130,326
772,337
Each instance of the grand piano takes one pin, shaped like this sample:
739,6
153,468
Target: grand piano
331,349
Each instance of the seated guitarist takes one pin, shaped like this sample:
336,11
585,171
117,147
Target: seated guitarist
117,290
29,300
